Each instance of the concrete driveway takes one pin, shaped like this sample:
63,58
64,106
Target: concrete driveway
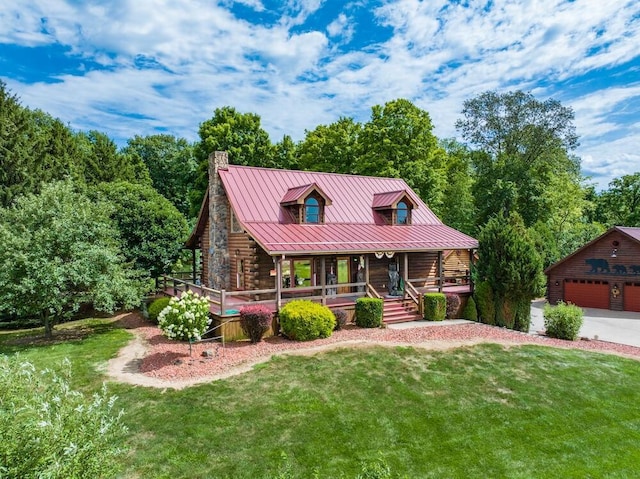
621,327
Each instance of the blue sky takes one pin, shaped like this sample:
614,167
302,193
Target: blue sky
128,67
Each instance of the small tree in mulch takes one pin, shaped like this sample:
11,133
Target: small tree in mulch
185,318
255,321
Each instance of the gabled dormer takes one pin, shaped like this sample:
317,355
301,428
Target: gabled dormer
306,204
394,206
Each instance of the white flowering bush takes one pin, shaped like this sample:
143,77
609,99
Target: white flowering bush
185,318
49,430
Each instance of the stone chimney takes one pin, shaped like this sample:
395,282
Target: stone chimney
219,266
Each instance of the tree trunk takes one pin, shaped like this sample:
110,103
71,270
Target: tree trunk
48,326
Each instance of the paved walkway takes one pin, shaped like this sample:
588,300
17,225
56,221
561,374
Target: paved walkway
622,327
427,324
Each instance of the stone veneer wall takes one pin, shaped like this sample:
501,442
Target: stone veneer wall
218,271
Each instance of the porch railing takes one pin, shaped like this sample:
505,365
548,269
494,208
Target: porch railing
415,296
372,293
224,303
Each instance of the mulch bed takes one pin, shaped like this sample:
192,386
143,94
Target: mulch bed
170,360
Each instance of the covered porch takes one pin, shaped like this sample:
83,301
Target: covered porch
336,280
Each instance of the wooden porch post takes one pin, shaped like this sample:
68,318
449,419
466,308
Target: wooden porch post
405,268
405,274
366,268
323,279
278,284
193,264
440,272
471,265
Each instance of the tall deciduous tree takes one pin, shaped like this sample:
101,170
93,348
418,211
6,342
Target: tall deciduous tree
153,231
59,250
509,263
525,143
620,203
458,210
240,135
398,142
285,154
333,148
172,166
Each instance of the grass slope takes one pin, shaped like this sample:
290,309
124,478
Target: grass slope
483,412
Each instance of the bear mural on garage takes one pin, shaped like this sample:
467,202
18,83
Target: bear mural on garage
598,265
601,266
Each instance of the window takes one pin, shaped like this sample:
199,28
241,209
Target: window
402,213
311,210
296,273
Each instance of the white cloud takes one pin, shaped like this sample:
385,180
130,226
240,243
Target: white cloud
294,75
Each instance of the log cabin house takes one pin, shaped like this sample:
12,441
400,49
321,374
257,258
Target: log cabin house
268,236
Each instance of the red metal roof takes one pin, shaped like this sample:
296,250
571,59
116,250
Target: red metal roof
387,200
279,238
351,224
294,195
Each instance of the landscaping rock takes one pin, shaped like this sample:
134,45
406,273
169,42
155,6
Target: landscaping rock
207,353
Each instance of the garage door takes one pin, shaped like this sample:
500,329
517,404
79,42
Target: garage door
587,293
632,297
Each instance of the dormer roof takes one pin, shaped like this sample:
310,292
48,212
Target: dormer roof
297,195
390,199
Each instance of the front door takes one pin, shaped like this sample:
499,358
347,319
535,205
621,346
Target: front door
344,274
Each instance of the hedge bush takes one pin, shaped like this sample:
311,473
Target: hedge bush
341,318
255,321
484,301
435,306
156,307
562,321
453,305
369,312
470,311
303,320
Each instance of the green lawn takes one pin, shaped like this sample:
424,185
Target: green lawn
479,412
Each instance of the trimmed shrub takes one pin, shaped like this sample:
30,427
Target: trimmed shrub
484,300
255,321
341,318
470,311
369,312
185,319
51,430
156,307
562,321
522,315
435,306
453,305
303,320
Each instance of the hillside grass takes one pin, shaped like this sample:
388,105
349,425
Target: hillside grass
483,411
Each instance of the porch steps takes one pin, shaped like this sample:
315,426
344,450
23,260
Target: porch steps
399,311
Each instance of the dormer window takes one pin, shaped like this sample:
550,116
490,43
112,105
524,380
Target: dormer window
402,214
394,207
305,204
311,210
